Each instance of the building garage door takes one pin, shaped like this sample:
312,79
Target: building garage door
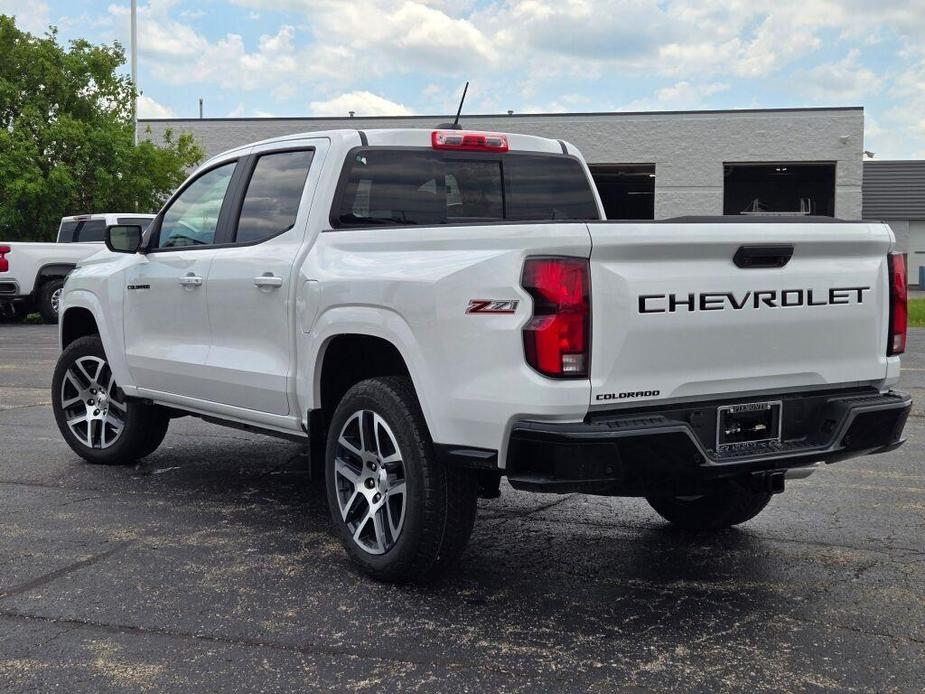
627,190
785,189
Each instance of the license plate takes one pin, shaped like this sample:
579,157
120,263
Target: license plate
747,424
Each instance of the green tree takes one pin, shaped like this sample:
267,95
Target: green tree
66,136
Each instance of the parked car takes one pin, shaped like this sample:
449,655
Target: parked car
32,274
433,311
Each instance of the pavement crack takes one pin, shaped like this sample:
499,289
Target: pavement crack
64,571
308,649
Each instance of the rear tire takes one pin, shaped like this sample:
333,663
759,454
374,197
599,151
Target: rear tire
425,510
49,300
721,509
94,417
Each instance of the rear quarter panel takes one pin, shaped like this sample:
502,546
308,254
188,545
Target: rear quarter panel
412,286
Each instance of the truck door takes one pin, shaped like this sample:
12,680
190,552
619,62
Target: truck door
166,322
253,278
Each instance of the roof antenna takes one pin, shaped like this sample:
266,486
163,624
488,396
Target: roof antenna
455,124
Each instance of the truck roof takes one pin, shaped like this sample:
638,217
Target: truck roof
415,137
104,215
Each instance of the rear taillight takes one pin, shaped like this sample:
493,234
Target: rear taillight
898,314
468,141
4,263
557,338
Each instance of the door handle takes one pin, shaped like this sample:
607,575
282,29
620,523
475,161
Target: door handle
762,256
190,280
268,281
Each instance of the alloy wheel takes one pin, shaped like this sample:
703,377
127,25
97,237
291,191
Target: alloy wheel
370,482
93,405
56,299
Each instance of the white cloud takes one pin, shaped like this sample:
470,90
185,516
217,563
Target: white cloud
361,102
31,15
149,108
678,96
840,81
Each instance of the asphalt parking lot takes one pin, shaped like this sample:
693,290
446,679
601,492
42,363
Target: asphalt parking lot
210,567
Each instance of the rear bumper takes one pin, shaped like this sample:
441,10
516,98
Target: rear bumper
670,449
9,290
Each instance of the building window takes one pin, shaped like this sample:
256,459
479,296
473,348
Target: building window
783,189
627,190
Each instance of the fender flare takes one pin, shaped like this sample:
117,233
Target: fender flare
373,321
53,271
112,344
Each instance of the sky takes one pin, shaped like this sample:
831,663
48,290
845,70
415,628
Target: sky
261,58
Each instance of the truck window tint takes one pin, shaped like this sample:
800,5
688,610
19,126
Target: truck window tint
401,187
66,232
94,230
192,218
143,222
541,188
273,193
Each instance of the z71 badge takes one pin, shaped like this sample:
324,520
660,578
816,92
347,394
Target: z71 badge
492,305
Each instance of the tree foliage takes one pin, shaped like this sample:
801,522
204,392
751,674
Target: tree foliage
66,136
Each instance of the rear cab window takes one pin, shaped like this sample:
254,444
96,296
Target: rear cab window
82,230
143,222
383,186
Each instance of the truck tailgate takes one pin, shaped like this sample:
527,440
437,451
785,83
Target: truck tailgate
673,316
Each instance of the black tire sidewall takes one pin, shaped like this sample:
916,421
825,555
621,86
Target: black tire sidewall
138,418
49,315
374,395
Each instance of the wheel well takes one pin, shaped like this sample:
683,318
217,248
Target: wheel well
52,272
77,322
347,360
350,359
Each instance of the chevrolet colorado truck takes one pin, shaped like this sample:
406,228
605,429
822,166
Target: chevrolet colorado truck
32,274
431,311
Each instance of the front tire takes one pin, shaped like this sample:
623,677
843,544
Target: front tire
724,508
94,417
49,300
400,514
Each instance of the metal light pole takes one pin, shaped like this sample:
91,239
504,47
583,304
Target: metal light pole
135,69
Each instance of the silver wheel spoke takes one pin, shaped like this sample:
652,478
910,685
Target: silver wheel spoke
71,401
381,542
350,447
71,377
92,415
345,471
370,482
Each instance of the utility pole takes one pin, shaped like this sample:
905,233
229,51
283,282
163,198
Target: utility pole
135,70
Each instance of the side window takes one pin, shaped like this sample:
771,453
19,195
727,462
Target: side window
66,232
192,218
94,230
273,194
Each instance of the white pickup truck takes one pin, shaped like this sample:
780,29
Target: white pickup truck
432,310
32,274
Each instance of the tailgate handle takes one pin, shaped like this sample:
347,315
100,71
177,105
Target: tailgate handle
762,256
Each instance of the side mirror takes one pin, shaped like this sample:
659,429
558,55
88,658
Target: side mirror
123,238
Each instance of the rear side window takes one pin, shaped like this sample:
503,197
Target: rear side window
273,194
94,230
381,186
66,232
